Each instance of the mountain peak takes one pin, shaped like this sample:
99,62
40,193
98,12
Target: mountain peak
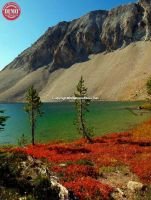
98,31
72,42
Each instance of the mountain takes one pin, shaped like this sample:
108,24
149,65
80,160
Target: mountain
109,48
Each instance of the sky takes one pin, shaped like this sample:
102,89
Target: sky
37,16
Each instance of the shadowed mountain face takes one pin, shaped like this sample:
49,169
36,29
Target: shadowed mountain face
64,44
73,42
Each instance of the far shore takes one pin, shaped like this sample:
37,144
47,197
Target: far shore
72,101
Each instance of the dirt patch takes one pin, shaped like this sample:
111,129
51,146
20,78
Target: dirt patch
118,177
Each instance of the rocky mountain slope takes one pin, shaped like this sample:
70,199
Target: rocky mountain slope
109,48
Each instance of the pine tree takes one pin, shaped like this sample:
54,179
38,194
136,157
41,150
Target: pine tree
33,108
82,103
2,120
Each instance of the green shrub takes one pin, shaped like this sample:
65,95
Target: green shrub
144,195
85,162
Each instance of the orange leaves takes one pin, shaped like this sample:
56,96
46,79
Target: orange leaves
142,132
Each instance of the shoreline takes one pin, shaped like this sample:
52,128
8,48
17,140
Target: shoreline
64,101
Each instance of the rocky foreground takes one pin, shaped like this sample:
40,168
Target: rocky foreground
23,177
116,166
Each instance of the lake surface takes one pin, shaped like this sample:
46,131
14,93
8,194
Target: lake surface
58,120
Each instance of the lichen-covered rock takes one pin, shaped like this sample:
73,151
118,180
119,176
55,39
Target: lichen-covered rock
135,186
29,176
32,168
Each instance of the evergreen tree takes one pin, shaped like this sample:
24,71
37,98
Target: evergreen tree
33,108
2,120
82,103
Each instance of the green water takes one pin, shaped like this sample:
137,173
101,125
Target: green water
58,120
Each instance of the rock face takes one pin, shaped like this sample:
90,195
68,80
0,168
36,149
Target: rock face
72,42
64,44
98,31
146,5
121,27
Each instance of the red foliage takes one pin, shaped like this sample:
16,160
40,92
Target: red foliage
114,149
89,188
72,171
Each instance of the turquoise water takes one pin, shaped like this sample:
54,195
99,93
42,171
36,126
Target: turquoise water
58,120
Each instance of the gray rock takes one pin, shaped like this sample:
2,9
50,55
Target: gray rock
29,176
64,44
135,186
146,5
31,169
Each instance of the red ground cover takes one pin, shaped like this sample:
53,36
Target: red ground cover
77,164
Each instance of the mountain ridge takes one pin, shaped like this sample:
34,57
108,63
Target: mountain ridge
70,43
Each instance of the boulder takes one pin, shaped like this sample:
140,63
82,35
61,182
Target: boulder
135,186
29,177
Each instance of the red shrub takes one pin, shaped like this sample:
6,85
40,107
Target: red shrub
89,188
73,171
132,149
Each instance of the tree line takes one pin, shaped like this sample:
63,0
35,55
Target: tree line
33,107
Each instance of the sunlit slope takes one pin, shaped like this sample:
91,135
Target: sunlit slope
118,75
